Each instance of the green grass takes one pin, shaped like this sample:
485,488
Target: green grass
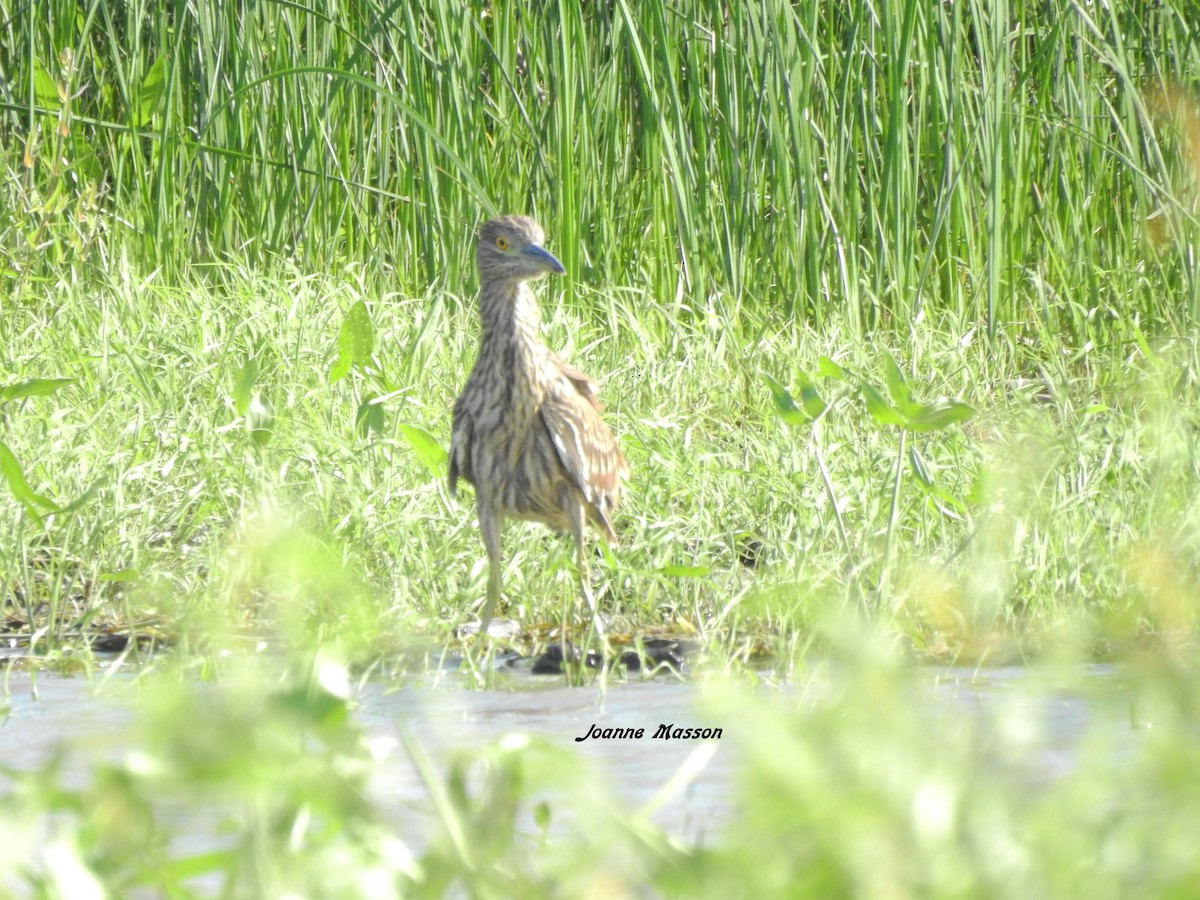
236,245
1039,513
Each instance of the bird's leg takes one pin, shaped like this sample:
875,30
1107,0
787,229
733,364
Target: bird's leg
490,524
577,516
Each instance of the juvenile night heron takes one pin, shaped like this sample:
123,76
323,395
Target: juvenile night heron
527,429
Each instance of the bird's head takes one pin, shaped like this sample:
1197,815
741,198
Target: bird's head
510,249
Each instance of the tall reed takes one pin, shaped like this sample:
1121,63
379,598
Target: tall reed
888,160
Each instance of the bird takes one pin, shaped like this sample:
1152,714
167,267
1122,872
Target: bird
527,432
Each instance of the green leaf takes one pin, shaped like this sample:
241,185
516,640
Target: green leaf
827,368
937,416
882,411
37,387
243,386
11,470
45,88
152,91
785,404
122,576
898,388
345,359
370,418
425,446
685,571
810,398
356,342
362,332
317,708
918,466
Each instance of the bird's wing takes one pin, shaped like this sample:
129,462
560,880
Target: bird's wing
584,442
587,387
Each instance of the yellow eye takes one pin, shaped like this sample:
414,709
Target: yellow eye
502,242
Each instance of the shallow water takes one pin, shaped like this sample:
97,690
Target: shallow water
93,721
446,720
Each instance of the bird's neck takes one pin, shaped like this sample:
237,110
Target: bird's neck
510,316
513,349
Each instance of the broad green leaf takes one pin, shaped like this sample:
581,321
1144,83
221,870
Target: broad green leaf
36,387
122,576
425,446
827,368
243,386
345,357
33,502
370,418
937,416
356,342
45,88
810,398
685,571
363,330
898,388
150,94
785,404
881,411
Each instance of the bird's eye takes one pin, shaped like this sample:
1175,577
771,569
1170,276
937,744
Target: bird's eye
502,242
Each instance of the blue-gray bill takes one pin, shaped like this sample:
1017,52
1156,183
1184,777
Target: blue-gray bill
546,258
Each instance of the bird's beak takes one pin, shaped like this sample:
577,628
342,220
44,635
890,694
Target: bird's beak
545,258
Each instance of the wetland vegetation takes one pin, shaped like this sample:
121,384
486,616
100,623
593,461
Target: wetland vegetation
895,308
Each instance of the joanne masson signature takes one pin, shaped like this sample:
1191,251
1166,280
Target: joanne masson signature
664,732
